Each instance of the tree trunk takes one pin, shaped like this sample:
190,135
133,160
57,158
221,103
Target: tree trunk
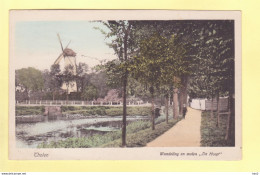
53,95
211,110
218,119
124,113
167,108
124,92
230,130
185,90
228,122
175,103
181,101
67,99
153,111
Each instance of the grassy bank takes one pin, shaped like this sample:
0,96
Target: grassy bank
106,110
211,135
141,138
29,110
87,110
139,133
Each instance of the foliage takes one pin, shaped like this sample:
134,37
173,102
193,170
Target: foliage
215,59
105,110
89,93
82,76
29,79
29,110
68,76
99,79
141,138
211,135
114,73
52,79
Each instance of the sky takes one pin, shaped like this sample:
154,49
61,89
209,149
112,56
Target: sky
37,44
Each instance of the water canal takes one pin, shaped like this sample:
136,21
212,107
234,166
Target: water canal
30,135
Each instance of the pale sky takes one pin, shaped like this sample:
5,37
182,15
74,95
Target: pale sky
37,44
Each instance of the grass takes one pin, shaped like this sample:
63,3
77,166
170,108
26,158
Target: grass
29,110
139,133
86,110
211,135
141,138
105,110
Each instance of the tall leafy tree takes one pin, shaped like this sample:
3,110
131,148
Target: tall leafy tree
147,65
82,76
29,79
121,34
90,92
159,62
55,80
215,71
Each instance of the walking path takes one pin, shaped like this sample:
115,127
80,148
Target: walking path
186,133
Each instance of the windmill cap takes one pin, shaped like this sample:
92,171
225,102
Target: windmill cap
69,52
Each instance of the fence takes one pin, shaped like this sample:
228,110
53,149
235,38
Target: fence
204,104
75,103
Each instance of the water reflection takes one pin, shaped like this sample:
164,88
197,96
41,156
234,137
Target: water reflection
29,135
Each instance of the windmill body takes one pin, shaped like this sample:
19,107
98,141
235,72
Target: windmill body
65,59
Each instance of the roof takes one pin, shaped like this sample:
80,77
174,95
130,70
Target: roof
69,52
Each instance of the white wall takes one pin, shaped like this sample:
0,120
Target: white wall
198,104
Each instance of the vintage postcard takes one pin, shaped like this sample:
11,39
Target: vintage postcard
125,85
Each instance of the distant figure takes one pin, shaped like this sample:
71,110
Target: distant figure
184,110
157,112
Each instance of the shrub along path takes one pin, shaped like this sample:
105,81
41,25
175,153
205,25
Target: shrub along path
186,133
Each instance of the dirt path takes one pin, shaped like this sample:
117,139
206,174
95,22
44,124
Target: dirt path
185,133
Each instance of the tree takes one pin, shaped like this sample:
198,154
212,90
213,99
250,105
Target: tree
99,79
186,37
68,78
82,76
215,71
159,61
90,92
54,80
29,79
121,34
146,66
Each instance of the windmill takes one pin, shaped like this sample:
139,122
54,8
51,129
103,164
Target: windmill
65,59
